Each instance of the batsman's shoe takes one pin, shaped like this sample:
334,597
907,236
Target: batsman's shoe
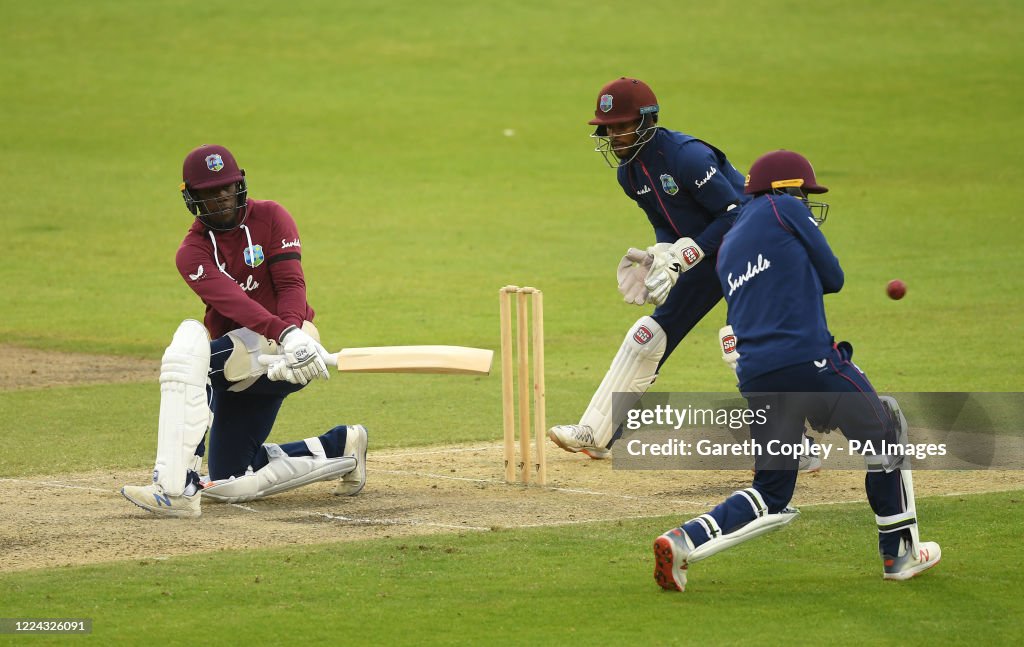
355,445
670,553
153,498
912,561
577,438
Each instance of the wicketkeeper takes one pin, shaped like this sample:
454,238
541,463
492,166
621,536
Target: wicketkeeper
242,257
690,193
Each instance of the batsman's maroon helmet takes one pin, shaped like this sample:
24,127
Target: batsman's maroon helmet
624,100
779,170
208,167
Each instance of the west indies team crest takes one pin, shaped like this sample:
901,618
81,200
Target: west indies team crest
606,103
669,184
254,256
214,162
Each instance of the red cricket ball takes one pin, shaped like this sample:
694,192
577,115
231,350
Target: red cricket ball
896,289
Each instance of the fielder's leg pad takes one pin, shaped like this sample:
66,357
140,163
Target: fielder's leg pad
906,520
755,528
281,474
184,413
633,370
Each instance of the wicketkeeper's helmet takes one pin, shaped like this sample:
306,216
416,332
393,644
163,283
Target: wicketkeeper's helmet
208,167
621,101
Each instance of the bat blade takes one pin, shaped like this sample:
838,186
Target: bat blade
459,360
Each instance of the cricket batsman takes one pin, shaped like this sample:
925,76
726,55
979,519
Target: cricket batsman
242,257
775,267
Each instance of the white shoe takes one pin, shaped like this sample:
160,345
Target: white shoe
809,464
152,498
670,553
577,438
912,560
355,445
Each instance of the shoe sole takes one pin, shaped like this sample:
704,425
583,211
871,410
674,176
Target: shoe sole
914,572
594,453
162,512
664,558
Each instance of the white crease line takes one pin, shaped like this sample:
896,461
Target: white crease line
59,485
428,475
396,522
398,454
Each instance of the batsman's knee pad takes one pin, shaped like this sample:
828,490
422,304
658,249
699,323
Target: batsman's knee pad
281,473
242,368
633,370
184,413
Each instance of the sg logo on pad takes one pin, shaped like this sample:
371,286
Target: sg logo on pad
643,335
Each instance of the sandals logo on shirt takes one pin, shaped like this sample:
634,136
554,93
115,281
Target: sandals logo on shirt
253,256
668,183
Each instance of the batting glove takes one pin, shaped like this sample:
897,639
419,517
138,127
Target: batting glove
303,357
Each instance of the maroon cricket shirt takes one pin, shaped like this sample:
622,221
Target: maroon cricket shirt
250,276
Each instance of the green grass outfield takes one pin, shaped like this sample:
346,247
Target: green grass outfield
816,582
382,128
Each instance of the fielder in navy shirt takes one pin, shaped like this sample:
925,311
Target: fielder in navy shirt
690,193
775,267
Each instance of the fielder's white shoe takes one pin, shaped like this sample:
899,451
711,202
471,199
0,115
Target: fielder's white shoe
355,445
912,560
153,498
577,438
670,553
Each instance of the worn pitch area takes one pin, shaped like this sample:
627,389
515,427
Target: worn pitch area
70,519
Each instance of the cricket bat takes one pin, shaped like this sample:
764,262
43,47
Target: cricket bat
414,359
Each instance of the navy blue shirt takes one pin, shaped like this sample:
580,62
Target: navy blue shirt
685,186
774,266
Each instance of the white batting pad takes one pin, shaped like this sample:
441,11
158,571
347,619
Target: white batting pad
632,371
184,413
281,474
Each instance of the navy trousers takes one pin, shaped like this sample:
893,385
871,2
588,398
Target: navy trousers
242,420
830,393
